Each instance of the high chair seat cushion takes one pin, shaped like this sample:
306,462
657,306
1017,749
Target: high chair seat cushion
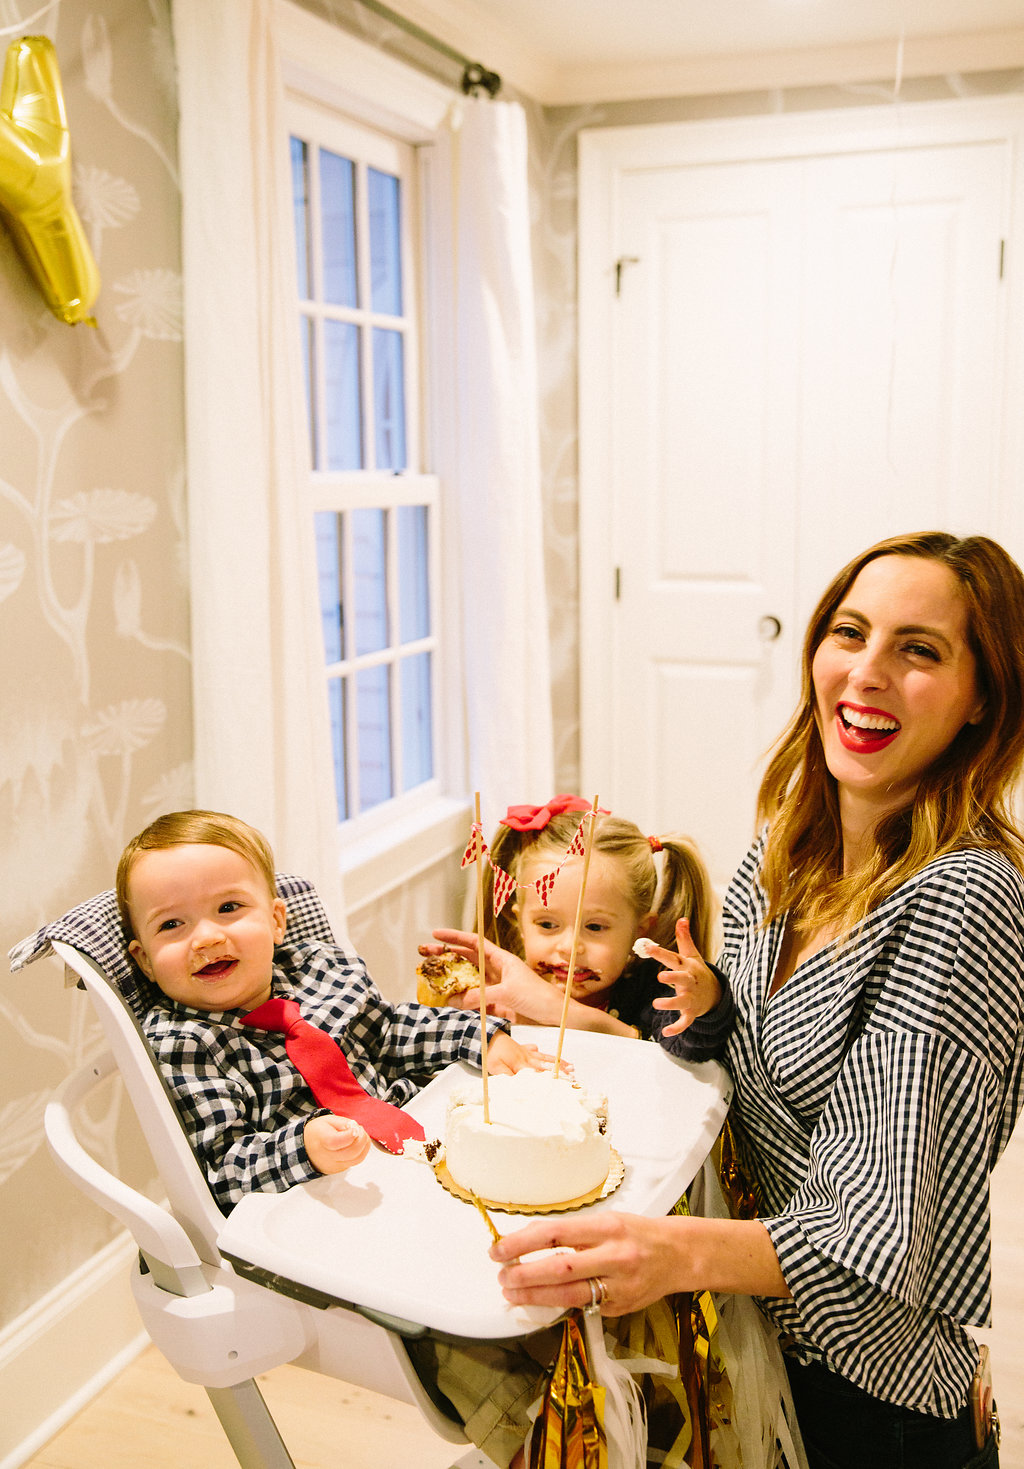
94,928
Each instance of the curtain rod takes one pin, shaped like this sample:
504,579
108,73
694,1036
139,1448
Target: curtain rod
475,77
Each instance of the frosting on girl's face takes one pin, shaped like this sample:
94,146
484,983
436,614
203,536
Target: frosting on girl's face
609,925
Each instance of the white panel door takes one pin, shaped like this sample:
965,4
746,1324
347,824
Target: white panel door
901,391
803,354
703,515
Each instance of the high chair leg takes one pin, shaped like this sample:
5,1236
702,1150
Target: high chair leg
251,1431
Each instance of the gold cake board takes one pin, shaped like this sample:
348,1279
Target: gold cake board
616,1173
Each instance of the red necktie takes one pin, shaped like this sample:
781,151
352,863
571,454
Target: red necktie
321,1063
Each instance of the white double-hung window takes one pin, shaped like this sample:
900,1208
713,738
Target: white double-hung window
374,511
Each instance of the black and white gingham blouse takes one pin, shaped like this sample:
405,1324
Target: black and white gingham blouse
243,1102
874,1093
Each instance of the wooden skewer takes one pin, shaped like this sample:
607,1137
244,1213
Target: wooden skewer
480,964
588,839
495,1236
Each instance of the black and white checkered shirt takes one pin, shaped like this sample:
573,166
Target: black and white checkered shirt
243,1102
874,1093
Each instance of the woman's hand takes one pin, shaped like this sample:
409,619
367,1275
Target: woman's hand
634,1260
512,990
515,993
697,990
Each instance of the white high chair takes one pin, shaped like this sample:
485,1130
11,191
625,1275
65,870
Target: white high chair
217,1326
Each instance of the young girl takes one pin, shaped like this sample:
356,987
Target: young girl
614,991
530,941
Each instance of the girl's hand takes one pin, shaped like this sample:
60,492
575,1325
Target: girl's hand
334,1143
697,990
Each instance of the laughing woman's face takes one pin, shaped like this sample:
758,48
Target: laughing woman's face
894,680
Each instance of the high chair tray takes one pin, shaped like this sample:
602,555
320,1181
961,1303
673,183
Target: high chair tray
388,1238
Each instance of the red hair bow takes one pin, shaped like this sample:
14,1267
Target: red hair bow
536,818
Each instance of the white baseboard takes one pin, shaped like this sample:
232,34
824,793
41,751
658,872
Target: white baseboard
59,1354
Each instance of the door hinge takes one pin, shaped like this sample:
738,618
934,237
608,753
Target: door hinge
618,582
622,261
1002,257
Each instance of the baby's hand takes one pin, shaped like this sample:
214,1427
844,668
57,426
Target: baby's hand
334,1143
504,1055
697,990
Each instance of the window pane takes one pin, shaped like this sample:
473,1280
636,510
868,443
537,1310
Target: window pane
336,703
338,219
385,243
374,721
417,734
343,416
307,332
413,574
389,398
329,564
300,211
360,373
369,570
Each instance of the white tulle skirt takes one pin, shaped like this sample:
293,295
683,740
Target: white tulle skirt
763,1433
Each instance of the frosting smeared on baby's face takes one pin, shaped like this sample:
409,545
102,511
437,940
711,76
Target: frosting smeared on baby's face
608,927
206,926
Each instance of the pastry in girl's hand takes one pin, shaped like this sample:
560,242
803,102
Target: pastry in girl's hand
441,977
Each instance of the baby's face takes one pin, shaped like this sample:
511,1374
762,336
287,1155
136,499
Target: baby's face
205,926
607,929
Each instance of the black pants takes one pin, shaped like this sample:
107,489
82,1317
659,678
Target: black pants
844,1427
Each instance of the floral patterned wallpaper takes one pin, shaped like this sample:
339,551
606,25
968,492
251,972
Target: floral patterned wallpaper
95,720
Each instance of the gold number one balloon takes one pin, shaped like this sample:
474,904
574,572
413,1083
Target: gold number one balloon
35,181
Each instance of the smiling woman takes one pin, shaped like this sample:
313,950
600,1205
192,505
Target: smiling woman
874,941
911,632
895,681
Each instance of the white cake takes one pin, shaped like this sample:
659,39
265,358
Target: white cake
546,1141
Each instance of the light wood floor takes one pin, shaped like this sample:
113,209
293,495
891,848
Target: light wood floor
148,1416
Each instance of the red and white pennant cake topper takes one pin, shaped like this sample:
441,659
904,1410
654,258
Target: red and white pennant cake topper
504,883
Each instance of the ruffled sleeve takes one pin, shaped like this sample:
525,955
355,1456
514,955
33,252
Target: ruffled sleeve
896,1188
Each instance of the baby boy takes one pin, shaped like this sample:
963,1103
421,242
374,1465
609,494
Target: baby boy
197,895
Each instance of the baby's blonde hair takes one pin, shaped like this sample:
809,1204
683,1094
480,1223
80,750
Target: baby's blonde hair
188,828
683,889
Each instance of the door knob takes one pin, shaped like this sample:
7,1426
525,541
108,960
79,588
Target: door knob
768,629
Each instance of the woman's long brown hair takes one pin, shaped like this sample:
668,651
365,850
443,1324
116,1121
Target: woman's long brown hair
963,800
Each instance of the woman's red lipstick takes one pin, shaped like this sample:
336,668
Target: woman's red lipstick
861,739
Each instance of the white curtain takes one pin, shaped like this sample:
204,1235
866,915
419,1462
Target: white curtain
261,725
489,454
262,747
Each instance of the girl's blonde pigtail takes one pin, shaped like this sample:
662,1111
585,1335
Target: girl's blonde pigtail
685,891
